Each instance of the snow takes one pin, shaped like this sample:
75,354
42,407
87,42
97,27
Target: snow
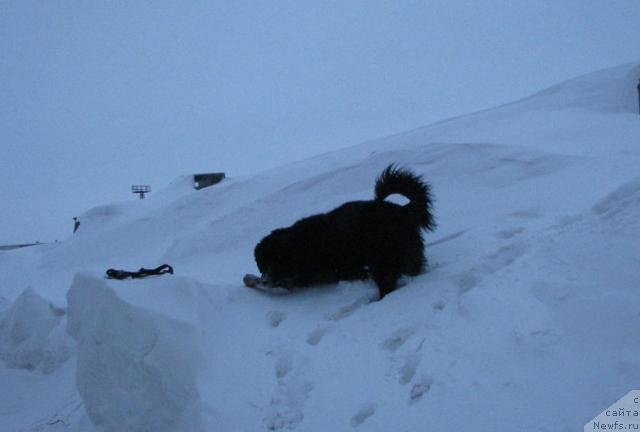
136,367
32,334
526,319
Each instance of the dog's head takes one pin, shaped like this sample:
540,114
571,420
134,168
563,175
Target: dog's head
276,259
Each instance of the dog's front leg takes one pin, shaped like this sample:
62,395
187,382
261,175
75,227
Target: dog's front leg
385,278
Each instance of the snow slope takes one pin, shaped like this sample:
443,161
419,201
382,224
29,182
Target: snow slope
526,319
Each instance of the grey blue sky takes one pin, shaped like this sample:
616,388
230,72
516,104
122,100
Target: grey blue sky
97,95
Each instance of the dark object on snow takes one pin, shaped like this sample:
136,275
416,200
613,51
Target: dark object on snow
141,190
18,246
205,180
143,272
359,239
259,283
638,96
252,281
76,224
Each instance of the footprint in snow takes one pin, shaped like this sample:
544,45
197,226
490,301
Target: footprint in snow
467,281
397,339
286,407
526,214
549,293
363,413
410,366
420,388
347,310
538,341
509,233
284,363
316,335
503,257
283,419
275,318
439,305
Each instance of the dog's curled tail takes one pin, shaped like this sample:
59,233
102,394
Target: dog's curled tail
394,180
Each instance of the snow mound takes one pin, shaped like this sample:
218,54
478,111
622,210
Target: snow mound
136,366
594,114
32,334
612,90
180,186
104,216
100,216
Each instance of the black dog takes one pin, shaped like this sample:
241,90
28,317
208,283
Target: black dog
354,241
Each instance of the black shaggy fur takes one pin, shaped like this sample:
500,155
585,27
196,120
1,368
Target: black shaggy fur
359,239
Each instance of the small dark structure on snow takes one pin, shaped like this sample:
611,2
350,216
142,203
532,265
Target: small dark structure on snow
205,180
141,190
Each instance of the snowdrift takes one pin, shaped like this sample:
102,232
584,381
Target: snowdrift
136,359
32,334
525,320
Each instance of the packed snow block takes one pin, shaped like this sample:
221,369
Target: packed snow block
137,353
32,334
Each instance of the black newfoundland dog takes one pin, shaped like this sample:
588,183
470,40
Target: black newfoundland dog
357,240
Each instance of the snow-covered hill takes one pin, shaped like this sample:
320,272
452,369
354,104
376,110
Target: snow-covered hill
526,319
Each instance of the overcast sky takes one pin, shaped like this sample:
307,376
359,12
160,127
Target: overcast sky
98,95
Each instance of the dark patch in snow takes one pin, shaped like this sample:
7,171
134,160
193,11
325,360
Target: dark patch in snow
283,365
419,389
526,214
411,363
548,293
439,305
364,413
397,339
509,233
347,310
275,318
316,335
466,281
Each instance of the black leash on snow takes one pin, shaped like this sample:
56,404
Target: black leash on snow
143,272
